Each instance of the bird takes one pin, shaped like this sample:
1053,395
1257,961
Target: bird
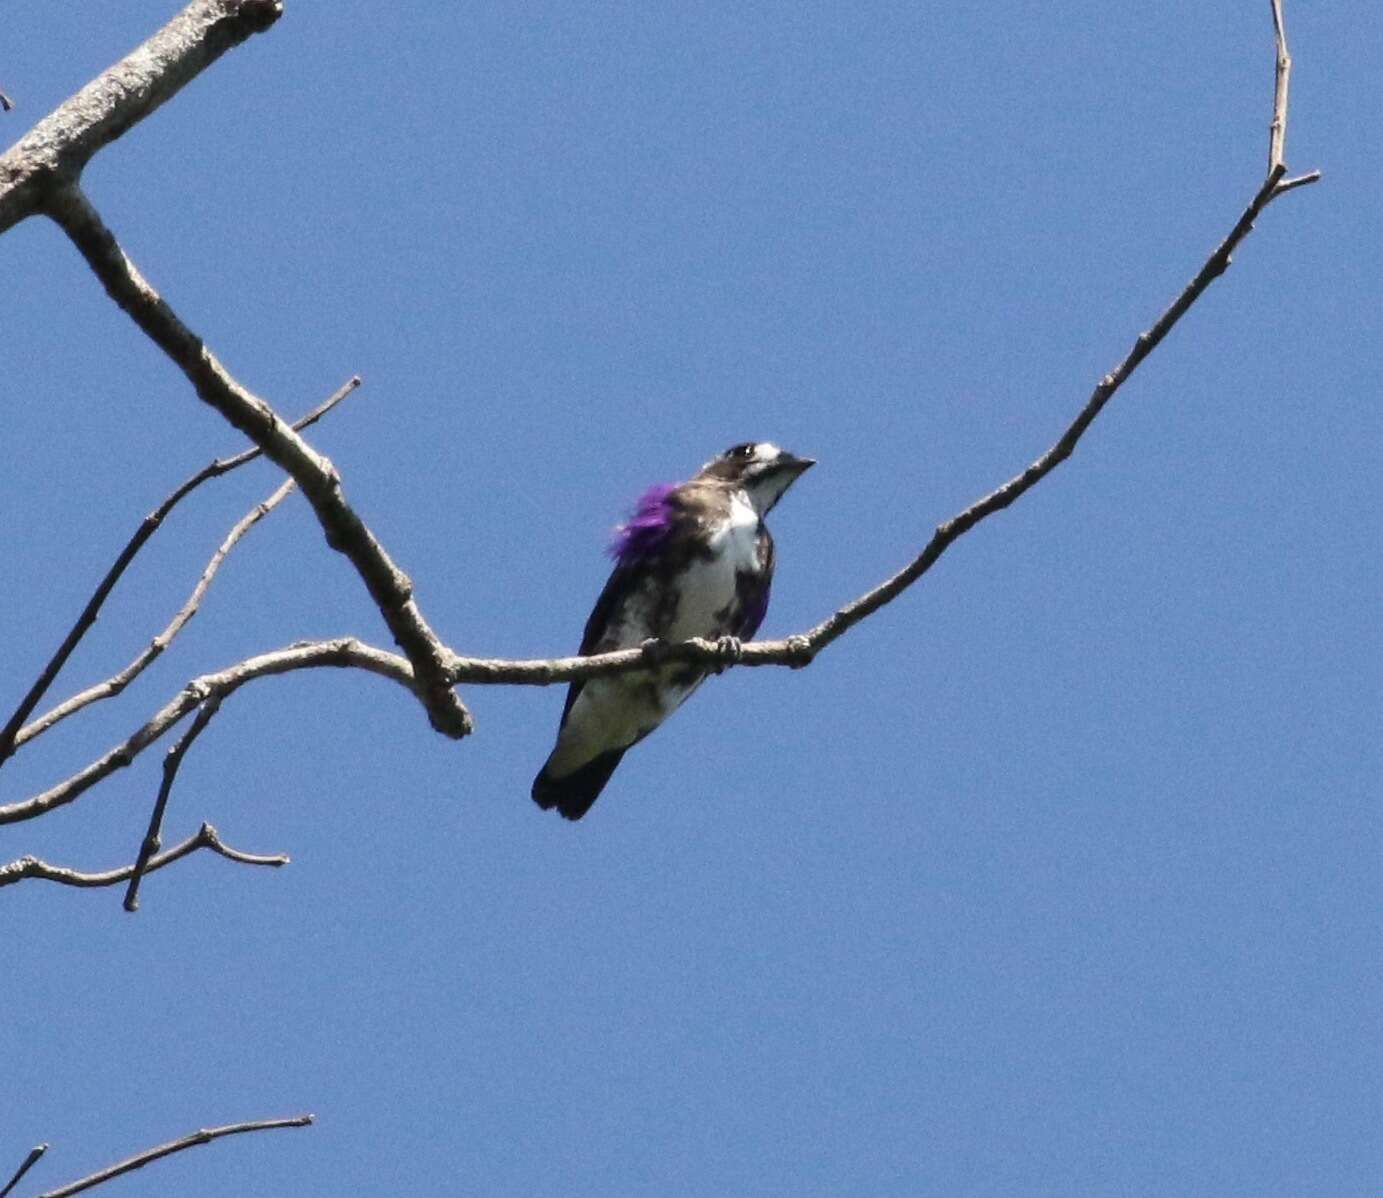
694,559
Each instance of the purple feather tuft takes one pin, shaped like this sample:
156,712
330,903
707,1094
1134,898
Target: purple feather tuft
755,611
643,534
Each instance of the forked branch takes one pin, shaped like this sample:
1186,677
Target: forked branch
206,837
345,531
304,656
799,650
431,669
14,732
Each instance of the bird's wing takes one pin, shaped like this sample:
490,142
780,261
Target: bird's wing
754,588
622,582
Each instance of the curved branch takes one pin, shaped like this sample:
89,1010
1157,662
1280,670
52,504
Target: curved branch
206,837
799,650
57,149
389,587
347,651
10,735
140,1159
115,684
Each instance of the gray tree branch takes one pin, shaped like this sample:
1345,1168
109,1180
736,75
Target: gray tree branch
41,173
432,669
55,151
346,651
206,837
10,735
150,845
389,587
118,682
140,1159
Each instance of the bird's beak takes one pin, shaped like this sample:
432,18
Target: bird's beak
788,461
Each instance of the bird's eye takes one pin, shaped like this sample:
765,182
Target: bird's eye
743,452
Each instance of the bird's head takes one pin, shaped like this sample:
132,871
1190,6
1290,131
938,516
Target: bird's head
760,469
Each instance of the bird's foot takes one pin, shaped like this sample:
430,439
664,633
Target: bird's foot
654,650
731,653
800,651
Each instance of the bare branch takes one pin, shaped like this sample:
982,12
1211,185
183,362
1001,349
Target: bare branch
799,650
1277,128
56,150
1296,181
11,736
29,1161
114,685
171,762
389,587
346,651
140,1159
206,837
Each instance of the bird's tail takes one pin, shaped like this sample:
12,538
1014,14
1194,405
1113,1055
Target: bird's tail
573,793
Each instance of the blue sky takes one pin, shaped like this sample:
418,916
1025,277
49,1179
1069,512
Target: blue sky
1060,876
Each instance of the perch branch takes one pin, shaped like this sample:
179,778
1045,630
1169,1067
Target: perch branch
55,151
347,651
29,1161
799,650
389,587
206,837
150,845
140,1159
114,685
11,736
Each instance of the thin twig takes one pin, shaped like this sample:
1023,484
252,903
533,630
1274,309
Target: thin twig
347,651
1296,181
140,1159
150,845
29,1161
345,531
118,682
11,736
206,837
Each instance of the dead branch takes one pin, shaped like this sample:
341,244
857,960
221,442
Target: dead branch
206,837
11,735
431,668
171,762
140,1159
389,587
29,1161
346,651
56,150
41,173
799,650
116,683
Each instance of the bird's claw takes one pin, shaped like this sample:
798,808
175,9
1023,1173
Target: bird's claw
731,652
